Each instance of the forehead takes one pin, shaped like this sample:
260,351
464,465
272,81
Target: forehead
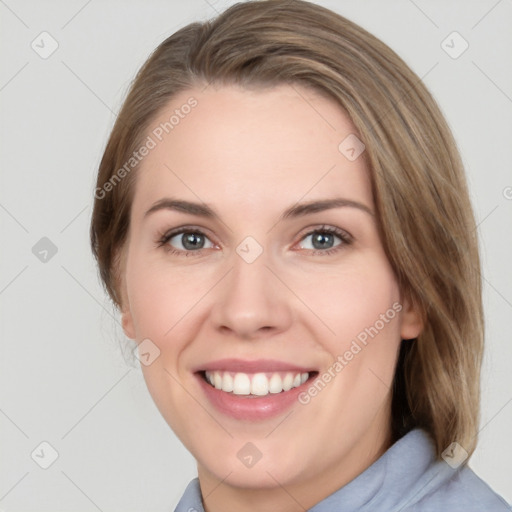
249,148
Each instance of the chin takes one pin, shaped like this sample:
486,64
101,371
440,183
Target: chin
265,473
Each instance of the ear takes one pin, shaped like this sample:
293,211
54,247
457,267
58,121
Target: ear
127,323
412,320
126,313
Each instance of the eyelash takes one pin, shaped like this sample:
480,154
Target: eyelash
164,238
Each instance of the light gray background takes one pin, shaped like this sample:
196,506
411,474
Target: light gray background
64,378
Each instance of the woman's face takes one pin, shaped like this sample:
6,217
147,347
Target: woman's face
254,254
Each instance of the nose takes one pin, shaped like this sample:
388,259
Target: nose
251,302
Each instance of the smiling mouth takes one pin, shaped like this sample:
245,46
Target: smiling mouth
257,384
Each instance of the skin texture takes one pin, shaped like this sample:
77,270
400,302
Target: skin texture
251,154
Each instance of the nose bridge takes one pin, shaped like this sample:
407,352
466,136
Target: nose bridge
251,298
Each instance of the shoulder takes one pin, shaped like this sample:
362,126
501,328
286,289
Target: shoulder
462,491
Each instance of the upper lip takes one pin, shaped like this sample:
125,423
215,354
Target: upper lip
252,366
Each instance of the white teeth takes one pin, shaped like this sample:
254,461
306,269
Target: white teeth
275,384
227,382
257,384
288,381
241,384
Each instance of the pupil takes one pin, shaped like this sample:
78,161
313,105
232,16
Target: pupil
322,240
192,241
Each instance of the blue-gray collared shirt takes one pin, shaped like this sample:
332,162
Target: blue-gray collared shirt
406,478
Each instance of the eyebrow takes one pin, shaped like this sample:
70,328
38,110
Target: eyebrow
297,210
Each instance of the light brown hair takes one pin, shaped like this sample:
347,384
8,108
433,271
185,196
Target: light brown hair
423,209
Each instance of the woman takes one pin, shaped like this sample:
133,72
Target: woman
282,219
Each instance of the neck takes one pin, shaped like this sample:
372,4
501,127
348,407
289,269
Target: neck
301,494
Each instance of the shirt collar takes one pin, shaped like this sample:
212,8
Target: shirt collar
380,485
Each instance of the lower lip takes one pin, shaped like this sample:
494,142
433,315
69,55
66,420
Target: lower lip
250,407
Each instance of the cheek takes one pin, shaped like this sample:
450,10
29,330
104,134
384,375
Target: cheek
352,298
162,306
366,318
159,296
362,306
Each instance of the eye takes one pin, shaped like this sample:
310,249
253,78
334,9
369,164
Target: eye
188,241
325,240
185,241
